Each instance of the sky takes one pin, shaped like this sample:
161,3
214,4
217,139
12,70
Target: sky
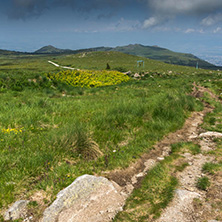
192,26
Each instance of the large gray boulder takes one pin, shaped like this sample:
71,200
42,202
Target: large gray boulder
17,210
88,198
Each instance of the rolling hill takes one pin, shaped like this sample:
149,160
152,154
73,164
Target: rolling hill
164,55
8,52
151,52
52,50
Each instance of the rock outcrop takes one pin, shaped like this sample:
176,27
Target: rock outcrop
88,198
17,210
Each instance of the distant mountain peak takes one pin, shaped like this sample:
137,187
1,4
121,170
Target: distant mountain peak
48,49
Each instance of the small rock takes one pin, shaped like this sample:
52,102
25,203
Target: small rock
186,195
187,155
140,175
191,189
129,188
128,73
160,158
136,75
149,164
211,134
17,210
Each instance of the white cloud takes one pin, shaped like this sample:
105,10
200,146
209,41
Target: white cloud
170,9
151,22
217,30
185,6
190,30
212,20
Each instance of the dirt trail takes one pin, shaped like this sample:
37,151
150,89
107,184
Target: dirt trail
181,209
191,204
138,169
64,67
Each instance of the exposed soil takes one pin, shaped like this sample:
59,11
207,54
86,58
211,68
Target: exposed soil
189,203
189,132
194,205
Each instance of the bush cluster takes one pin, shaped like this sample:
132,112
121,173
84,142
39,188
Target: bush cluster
19,84
87,78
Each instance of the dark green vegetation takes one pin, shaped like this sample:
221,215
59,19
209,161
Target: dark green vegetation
150,52
212,168
51,133
203,183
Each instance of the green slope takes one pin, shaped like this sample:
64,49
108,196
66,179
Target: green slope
117,61
151,52
8,52
164,55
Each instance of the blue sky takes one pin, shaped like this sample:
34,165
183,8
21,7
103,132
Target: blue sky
193,26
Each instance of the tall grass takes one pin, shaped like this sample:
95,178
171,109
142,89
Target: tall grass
85,131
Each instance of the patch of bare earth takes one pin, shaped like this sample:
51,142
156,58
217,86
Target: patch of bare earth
191,204
131,177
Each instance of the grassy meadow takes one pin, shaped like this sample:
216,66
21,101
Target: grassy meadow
52,132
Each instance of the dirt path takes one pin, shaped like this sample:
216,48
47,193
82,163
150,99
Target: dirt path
191,204
64,67
138,169
182,208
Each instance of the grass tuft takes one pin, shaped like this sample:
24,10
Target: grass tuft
203,183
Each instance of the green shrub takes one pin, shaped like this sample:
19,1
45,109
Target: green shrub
107,66
86,147
203,183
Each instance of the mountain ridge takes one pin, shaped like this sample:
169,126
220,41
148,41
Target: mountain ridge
150,52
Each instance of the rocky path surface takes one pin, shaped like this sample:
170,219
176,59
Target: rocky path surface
131,177
182,208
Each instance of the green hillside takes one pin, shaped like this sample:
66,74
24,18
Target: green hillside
8,52
164,55
53,50
117,61
27,63
151,52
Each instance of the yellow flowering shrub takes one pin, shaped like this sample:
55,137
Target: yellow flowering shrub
88,78
12,130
